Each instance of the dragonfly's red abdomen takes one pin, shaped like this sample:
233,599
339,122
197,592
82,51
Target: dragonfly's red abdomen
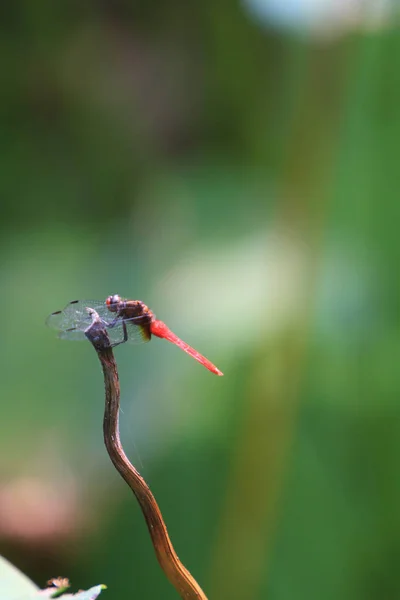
159,329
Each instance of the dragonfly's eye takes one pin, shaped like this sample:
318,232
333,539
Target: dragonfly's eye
112,302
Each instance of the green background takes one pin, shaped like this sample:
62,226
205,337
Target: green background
243,182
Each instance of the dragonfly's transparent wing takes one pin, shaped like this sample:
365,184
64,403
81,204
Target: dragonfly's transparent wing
137,334
72,334
75,315
74,319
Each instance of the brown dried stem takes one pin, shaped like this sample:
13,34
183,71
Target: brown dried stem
178,575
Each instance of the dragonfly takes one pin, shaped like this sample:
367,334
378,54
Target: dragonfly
125,320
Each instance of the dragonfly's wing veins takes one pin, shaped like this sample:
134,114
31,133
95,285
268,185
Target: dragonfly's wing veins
115,334
74,319
73,335
137,334
75,315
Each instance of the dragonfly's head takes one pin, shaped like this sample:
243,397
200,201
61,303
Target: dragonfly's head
113,302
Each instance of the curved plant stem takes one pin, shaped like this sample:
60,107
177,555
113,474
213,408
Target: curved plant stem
178,575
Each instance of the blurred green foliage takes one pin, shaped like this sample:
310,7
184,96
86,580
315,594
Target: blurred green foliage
242,182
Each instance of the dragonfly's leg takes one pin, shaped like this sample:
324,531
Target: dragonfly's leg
124,329
112,323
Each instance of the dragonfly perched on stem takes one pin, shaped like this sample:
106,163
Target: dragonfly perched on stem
125,321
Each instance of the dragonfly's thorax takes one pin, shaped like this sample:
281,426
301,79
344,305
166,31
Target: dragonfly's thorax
130,309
